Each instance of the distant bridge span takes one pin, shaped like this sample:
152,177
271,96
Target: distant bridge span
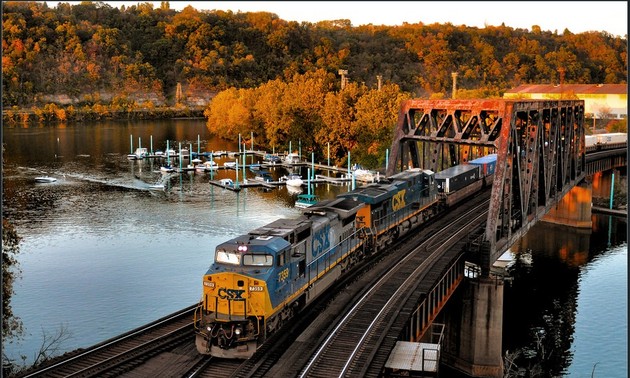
540,151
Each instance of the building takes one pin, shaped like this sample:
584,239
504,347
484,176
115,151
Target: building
599,99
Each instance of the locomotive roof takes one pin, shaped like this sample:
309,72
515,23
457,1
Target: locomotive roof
411,173
341,205
271,243
373,193
378,192
283,227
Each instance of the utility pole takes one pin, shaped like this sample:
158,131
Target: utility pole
178,93
561,70
343,74
454,75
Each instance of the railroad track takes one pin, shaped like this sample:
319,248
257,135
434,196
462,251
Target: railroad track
290,350
118,355
350,347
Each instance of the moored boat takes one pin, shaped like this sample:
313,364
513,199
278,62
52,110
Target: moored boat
292,158
45,179
140,153
263,176
293,180
306,200
226,182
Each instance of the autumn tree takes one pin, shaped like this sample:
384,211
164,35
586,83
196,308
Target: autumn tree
375,121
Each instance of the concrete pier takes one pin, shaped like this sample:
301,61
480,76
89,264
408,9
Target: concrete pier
475,338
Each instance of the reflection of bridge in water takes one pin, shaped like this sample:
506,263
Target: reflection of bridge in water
543,170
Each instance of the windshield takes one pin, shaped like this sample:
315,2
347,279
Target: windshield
226,257
257,260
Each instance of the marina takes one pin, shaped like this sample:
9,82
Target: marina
188,161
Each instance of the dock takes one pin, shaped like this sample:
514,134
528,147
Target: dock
261,164
253,183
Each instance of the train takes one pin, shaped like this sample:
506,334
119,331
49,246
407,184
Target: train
260,280
598,142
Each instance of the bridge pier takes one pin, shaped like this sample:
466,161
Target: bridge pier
574,209
473,341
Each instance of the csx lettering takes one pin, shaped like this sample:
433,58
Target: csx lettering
398,201
320,241
231,294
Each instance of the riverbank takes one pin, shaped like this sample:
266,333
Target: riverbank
52,114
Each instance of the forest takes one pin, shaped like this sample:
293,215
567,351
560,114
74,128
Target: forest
280,80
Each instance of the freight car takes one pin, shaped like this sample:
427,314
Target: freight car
260,280
597,142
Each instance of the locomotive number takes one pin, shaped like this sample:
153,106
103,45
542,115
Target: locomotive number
283,275
398,201
320,241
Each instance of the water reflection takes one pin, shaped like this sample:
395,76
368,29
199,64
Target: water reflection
541,305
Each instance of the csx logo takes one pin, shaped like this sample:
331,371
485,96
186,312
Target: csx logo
231,294
320,241
283,275
398,201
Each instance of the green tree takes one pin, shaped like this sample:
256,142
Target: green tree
375,121
11,326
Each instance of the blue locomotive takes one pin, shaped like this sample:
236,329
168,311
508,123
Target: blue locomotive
260,280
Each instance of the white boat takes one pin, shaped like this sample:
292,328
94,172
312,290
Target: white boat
166,168
226,182
365,175
45,179
157,187
211,165
230,164
292,158
293,180
140,153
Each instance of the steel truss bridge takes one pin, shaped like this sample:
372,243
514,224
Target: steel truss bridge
540,149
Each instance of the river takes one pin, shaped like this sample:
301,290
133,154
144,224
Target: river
101,254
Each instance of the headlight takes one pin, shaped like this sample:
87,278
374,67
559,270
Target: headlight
238,331
209,328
